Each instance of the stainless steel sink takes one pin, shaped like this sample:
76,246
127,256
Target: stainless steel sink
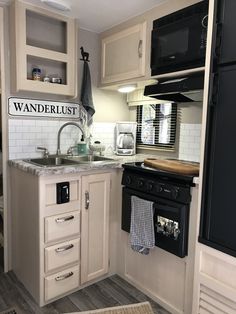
66,160
51,161
89,158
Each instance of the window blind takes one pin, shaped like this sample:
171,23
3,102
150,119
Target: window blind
156,125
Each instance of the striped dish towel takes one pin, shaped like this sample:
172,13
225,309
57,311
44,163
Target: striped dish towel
142,227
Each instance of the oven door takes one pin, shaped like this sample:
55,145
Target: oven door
170,221
179,45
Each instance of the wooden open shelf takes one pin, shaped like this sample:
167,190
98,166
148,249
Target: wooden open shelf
53,51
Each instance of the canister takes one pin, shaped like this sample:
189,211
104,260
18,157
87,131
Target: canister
36,74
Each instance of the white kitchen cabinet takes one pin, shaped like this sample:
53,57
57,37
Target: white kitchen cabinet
94,226
58,247
45,235
123,54
45,40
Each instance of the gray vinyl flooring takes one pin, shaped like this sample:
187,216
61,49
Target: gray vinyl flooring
113,291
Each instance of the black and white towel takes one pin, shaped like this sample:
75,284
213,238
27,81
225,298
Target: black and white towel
142,236
86,93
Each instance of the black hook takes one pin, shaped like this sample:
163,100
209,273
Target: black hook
84,54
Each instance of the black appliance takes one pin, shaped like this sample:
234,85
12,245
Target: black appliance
181,89
170,194
179,40
218,212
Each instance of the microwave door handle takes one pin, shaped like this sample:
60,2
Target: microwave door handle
140,48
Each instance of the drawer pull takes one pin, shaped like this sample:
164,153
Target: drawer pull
60,220
64,248
63,277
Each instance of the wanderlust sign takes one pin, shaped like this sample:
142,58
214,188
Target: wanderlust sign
43,108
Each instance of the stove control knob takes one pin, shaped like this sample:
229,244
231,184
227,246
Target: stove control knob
140,183
128,180
150,186
159,188
175,193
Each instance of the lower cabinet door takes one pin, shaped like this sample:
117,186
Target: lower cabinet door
61,283
61,255
95,226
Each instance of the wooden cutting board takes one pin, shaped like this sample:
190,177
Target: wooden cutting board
173,166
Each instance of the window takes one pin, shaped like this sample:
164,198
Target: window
157,125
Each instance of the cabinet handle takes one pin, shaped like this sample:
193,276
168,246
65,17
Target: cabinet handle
60,220
64,248
63,277
140,52
87,200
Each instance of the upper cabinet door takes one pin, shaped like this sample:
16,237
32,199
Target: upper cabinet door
123,54
45,41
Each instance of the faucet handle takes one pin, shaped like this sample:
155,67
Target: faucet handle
70,150
45,150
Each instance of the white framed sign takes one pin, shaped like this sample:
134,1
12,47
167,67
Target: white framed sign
44,108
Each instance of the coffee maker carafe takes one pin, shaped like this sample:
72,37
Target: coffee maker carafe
125,138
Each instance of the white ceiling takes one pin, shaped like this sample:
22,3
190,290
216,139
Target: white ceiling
99,15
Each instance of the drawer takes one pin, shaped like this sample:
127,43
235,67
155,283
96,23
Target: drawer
61,283
62,254
62,226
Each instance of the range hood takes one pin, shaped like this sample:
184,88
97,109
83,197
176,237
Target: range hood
183,89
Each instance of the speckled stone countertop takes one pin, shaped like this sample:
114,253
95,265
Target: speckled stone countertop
116,163
58,170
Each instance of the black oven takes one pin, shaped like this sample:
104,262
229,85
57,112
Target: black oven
170,194
179,40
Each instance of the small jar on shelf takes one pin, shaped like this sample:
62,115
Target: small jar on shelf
36,74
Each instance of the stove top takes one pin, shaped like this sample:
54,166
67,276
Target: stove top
140,167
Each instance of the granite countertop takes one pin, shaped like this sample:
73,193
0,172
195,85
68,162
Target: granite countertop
58,170
116,163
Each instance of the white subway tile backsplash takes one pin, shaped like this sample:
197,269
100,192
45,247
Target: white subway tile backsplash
29,122
190,141
103,132
26,135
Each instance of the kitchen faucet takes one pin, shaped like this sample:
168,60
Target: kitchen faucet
59,134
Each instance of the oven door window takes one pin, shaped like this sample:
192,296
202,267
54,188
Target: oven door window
168,227
171,227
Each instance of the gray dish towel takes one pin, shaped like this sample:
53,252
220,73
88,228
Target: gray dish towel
86,93
142,227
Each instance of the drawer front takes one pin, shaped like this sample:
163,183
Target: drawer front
62,226
61,283
62,254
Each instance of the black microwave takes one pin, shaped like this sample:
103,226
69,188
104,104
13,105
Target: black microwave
179,40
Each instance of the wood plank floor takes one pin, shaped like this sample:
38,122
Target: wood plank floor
112,291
